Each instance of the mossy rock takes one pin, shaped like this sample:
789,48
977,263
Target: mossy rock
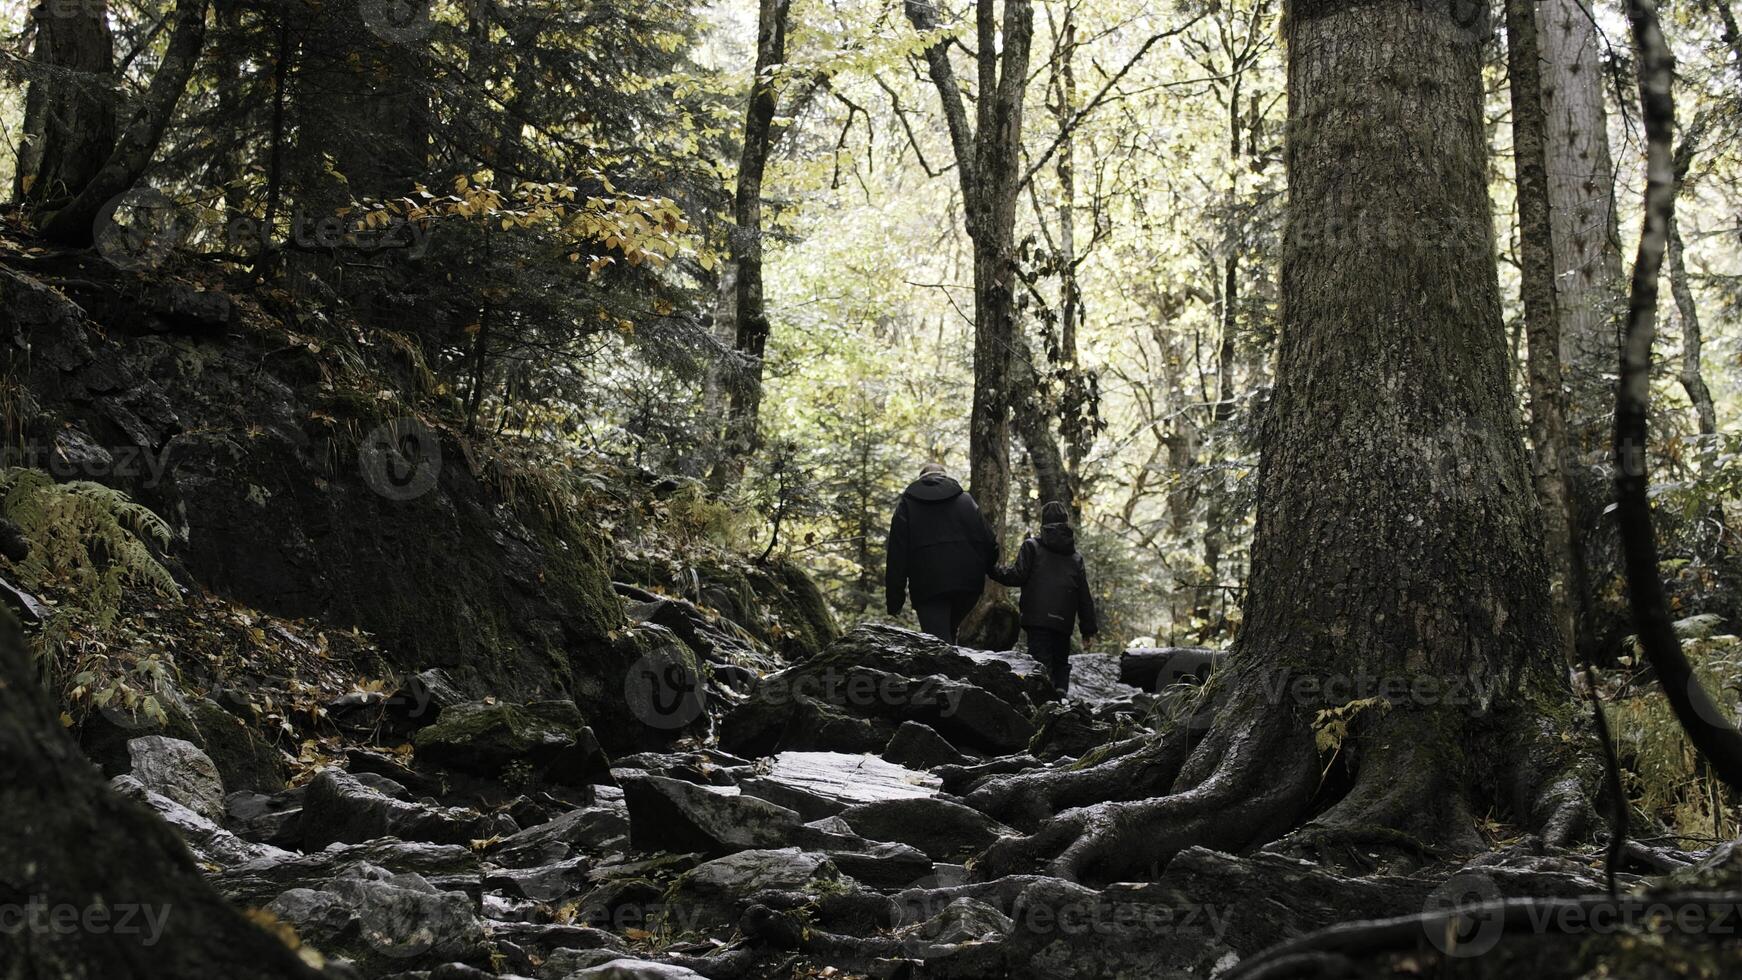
488,737
644,692
245,759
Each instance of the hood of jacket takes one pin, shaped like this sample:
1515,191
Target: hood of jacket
933,487
1059,538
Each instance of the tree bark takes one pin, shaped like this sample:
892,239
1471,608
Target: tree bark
1397,542
73,224
75,844
1692,378
989,166
751,316
1588,301
1537,278
69,118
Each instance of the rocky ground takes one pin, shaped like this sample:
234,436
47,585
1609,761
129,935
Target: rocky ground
819,817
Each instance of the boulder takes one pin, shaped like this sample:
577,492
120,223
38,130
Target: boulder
944,830
633,969
673,815
341,807
487,738
210,844
713,895
264,819
258,880
919,746
384,922
882,865
820,784
245,760
178,769
590,830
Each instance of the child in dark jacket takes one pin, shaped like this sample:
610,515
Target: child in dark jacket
1055,592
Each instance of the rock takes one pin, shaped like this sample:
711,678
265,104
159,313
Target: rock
209,843
1068,729
1095,677
1153,668
550,940
647,691
850,697
340,807
768,724
545,740
274,819
589,830
883,865
565,963
964,920
421,699
361,761
944,830
484,737
672,815
178,769
104,735
245,760
820,784
631,969
382,920
258,880
715,894
919,746
543,883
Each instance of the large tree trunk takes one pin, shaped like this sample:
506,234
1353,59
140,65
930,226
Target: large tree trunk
1536,251
1588,301
74,847
750,315
1397,553
69,117
74,223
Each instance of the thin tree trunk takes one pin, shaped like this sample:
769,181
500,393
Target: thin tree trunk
69,119
1536,258
1588,282
1707,725
751,327
73,224
989,166
1692,378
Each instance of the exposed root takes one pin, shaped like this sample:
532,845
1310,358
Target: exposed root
1146,767
1235,791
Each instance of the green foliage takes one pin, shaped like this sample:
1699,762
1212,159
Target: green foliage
90,539
89,545
1661,770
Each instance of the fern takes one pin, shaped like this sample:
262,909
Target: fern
86,536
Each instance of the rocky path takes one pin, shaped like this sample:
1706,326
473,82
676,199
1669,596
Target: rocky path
775,820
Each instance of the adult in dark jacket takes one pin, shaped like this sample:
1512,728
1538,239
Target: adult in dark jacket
1055,592
940,551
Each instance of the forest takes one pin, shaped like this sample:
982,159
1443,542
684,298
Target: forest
751,489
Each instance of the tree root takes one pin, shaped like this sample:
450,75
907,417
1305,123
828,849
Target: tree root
1473,929
1239,788
1136,769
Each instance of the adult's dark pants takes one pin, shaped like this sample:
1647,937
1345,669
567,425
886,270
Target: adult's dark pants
942,615
1053,649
